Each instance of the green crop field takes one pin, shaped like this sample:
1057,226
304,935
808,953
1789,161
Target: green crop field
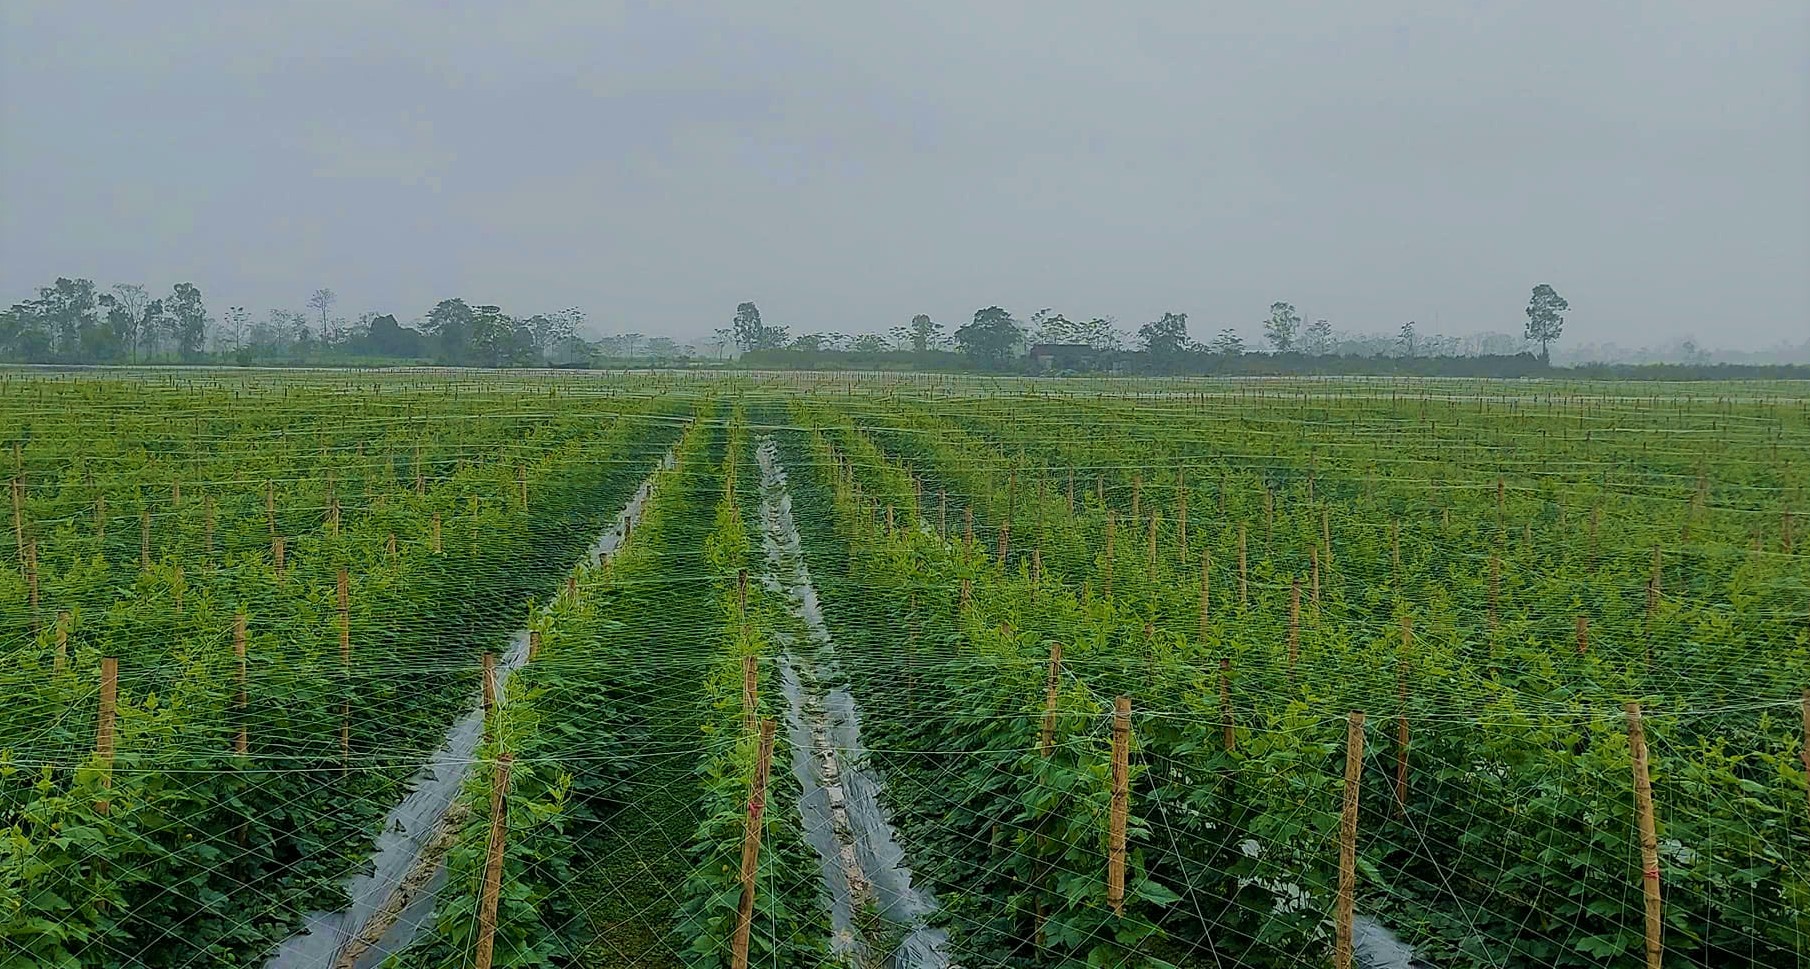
443,669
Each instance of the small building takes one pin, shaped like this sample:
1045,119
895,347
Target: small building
1064,356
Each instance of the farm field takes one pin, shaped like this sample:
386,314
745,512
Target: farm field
443,669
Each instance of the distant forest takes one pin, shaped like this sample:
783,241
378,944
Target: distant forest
74,322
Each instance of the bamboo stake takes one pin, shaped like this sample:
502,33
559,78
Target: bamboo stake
1046,741
1137,489
1401,717
1583,634
1111,527
1649,839
750,690
207,516
1495,586
277,547
489,671
533,644
493,864
345,663
1244,589
1313,557
942,515
1348,823
19,516
103,732
62,641
1181,523
1226,725
242,743
1294,624
270,506
1206,590
433,534
31,579
1326,534
751,835
144,538
1121,796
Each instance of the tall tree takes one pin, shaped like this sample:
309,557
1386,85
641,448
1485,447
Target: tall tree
990,337
1405,338
322,300
1545,319
132,298
1165,337
1319,337
450,324
1281,327
750,332
1227,344
188,319
925,332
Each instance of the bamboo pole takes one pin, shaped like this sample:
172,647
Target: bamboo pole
62,641
750,690
1244,588
1226,725
1583,634
241,743
1206,591
1111,530
19,515
103,731
270,506
751,836
1046,739
489,677
1121,796
277,548
1294,624
345,664
493,864
1649,839
1313,557
31,579
1348,824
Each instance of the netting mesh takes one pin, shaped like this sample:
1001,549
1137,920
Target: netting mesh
576,598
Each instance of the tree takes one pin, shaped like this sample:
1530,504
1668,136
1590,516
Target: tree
869,343
751,333
235,322
321,301
391,339
1319,337
808,342
721,338
450,324
1544,318
132,299
1405,338
188,319
990,337
925,332
1227,344
1165,337
1281,327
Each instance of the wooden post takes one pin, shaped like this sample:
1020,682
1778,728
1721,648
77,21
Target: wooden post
1294,624
100,517
1495,586
1046,742
1181,521
270,506
1137,489
1649,839
1111,528
1226,725
61,660
751,835
1071,490
493,864
533,644
144,538
103,732
1150,554
1348,825
242,743
1313,557
1121,796
345,664
489,671
433,534
968,528
967,594
521,478
1244,590
942,514
31,579
1583,634
572,589
1005,538
207,517
175,495
277,546
750,690
19,515
1401,717
1326,534
1206,590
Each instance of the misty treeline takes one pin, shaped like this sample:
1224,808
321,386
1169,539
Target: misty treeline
73,321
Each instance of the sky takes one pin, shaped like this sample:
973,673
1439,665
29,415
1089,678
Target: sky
849,165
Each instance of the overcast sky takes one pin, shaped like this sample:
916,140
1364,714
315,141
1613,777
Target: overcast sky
848,165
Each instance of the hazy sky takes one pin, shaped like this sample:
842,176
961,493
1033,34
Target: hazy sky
848,165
